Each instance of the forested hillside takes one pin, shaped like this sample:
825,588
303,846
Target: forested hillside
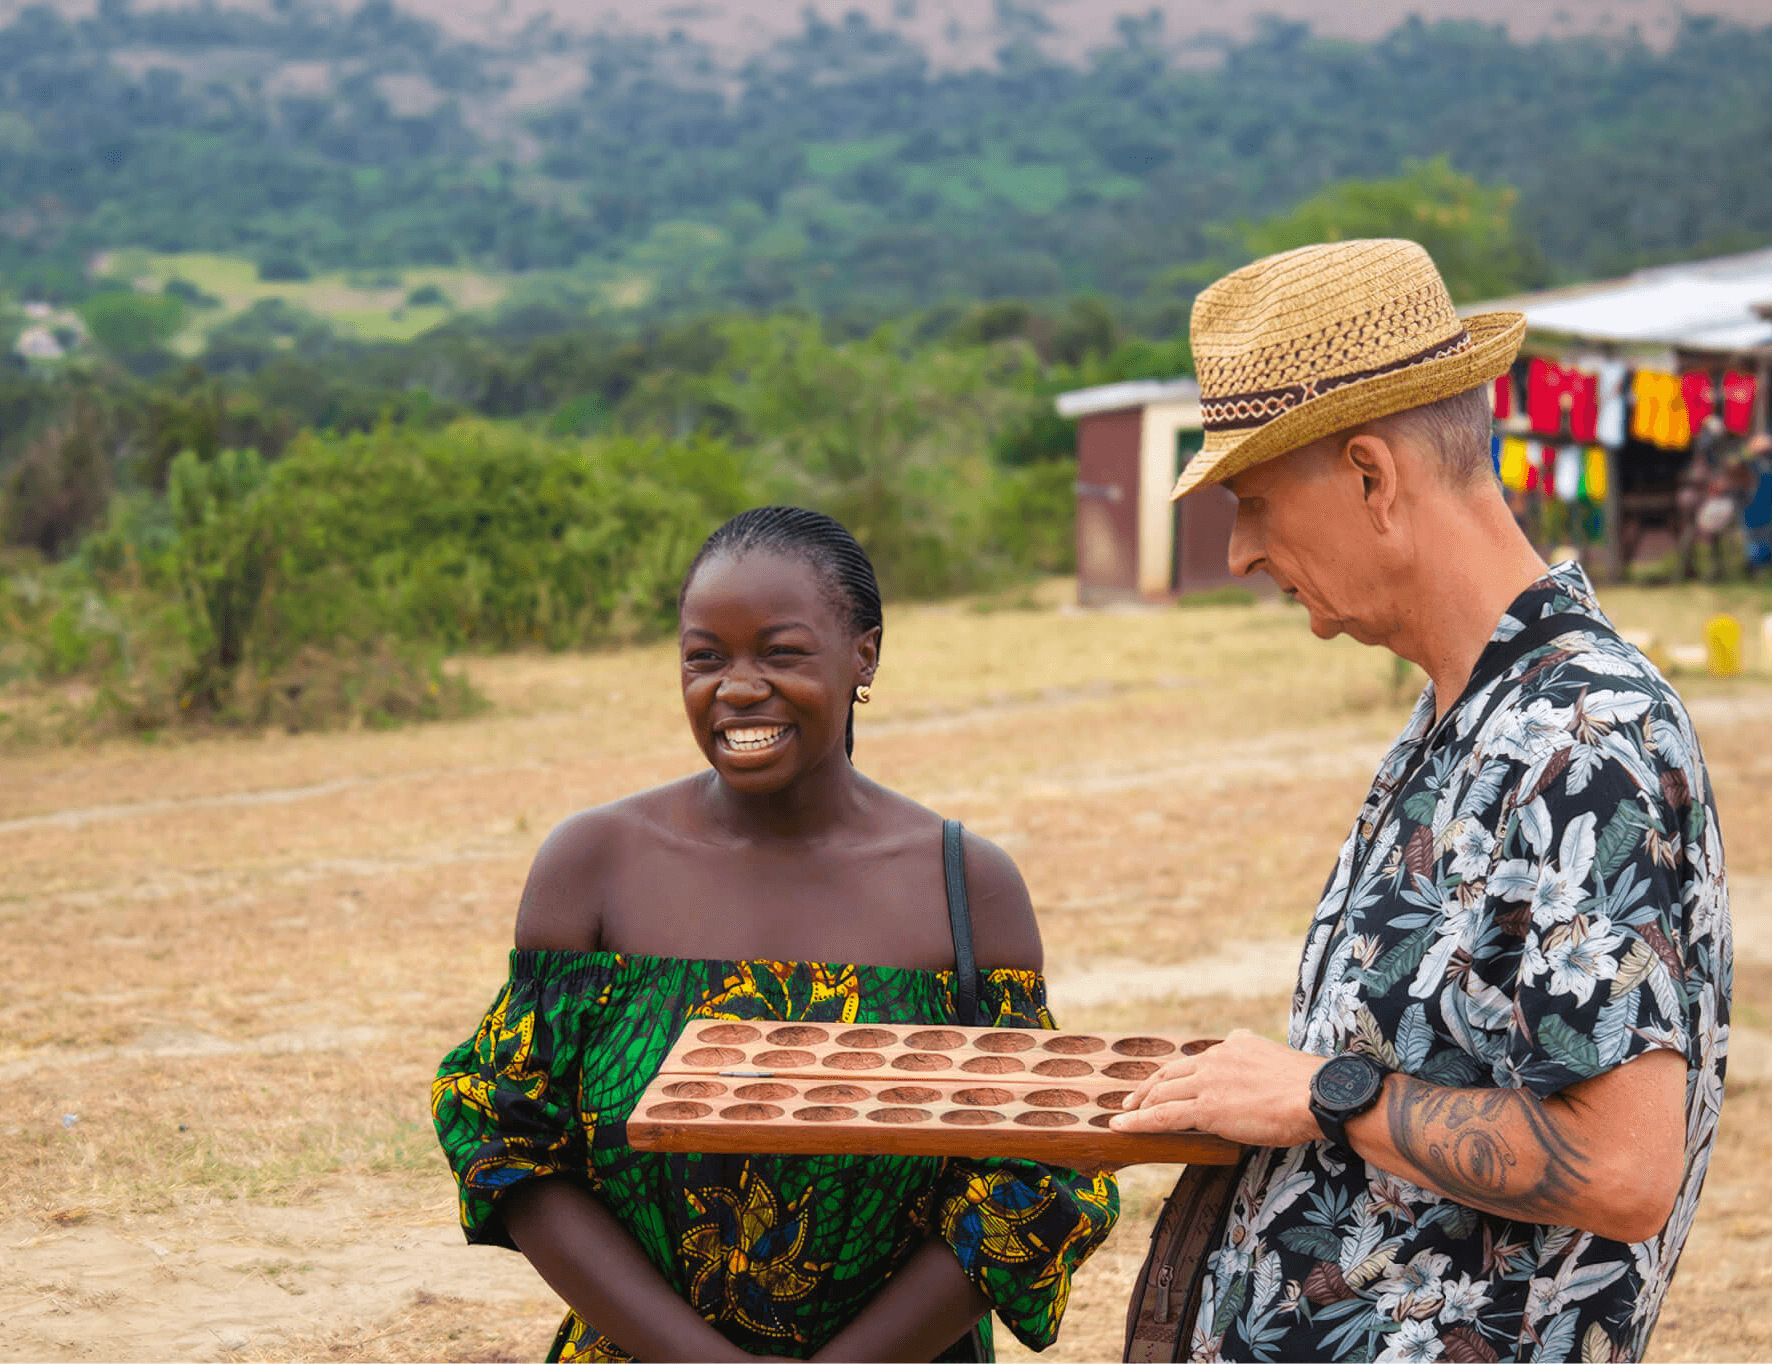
838,170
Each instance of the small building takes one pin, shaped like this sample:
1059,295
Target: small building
1133,543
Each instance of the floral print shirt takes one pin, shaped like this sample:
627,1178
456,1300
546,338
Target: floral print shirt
1533,895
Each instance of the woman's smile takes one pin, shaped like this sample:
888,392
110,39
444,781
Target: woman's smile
752,738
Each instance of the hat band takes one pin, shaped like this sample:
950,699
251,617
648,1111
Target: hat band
1241,411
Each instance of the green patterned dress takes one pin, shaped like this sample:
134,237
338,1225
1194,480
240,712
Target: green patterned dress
779,1253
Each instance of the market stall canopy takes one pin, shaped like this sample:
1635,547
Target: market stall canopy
1721,306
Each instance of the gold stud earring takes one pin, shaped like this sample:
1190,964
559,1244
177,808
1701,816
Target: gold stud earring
863,695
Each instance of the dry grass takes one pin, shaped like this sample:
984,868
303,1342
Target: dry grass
236,961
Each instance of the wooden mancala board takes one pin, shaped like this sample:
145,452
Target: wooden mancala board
836,1089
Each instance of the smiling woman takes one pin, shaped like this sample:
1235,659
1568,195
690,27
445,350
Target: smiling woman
779,606
780,885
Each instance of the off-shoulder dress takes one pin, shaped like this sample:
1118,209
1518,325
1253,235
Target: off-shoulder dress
779,1253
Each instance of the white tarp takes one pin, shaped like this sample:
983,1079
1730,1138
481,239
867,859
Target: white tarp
1701,305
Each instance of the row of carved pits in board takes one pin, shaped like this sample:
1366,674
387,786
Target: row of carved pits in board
1010,1053
927,1051
735,1100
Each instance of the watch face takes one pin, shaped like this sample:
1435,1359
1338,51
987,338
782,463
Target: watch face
1346,1082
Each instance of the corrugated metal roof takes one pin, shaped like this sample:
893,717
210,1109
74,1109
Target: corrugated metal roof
1086,402
1713,305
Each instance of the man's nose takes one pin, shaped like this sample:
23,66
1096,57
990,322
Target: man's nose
1245,548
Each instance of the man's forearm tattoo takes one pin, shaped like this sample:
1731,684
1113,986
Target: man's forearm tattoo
1494,1149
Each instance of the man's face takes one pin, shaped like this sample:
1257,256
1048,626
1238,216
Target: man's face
1302,520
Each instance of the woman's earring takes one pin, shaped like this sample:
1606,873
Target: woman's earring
863,695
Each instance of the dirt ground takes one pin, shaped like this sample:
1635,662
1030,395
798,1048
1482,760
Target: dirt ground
233,964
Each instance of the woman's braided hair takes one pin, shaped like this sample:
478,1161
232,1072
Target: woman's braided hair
824,544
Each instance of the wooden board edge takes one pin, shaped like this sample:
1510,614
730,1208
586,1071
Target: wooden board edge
1086,1149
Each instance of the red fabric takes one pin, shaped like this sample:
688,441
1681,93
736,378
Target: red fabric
1504,398
1584,404
1739,392
1700,395
1551,390
1543,385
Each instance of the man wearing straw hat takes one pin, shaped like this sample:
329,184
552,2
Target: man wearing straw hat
1486,1135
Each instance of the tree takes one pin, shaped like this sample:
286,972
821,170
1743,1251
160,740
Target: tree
1467,227
127,323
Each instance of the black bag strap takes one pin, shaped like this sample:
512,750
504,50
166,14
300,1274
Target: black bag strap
953,865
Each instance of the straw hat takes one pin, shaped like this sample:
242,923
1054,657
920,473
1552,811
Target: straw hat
1302,345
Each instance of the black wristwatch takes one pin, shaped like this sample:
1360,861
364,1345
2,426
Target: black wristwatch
1344,1087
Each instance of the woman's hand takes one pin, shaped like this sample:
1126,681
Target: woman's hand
589,1259
926,1306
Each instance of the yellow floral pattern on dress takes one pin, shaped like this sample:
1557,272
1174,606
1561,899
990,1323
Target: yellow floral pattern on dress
779,1253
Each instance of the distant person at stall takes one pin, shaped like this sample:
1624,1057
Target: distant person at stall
1707,500
778,885
1756,515
1486,1133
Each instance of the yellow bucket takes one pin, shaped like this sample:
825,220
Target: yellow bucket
1722,646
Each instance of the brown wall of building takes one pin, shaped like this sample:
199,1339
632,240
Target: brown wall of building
1107,504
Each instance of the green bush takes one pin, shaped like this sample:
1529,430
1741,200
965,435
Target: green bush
1034,517
283,267
125,322
59,487
482,536
223,554
189,293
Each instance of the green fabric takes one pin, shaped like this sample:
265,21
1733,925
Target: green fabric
778,1252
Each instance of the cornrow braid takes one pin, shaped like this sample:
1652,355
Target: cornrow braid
822,543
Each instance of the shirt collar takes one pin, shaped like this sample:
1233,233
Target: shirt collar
1564,591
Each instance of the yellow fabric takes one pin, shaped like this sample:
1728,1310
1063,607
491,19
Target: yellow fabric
1660,417
1513,464
1593,481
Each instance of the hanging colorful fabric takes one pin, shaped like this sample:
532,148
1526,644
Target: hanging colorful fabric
1660,415
1567,473
1700,396
1584,404
1504,398
1535,470
1609,424
1593,474
1739,392
1495,455
1515,471
1547,394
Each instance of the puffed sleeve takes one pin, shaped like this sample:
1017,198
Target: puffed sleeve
1020,1229
506,1103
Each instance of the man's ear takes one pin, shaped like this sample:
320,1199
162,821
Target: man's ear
1371,457
867,657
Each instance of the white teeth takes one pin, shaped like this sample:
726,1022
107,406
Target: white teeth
752,739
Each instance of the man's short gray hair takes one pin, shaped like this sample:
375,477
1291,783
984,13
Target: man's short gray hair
1456,428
